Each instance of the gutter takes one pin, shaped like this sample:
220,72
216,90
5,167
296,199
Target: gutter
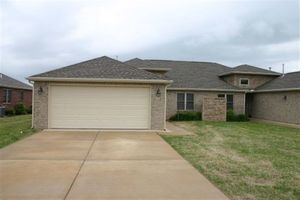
98,80
208,90
248,73
277,90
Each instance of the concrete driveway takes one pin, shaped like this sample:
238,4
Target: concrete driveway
99,165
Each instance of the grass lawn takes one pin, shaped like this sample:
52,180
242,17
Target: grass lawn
246,160
14,128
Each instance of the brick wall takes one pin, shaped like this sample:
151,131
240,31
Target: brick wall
277,106
254,80
16,97
40,111
238,101
214,109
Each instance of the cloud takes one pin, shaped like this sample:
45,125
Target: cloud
38,35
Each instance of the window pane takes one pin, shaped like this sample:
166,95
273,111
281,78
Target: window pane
189,97
4,96
244,81
180,101
221,95
189,101
180,97
190,105
229,102
21,96
180,105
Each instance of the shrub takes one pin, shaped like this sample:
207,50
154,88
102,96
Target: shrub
242,118
186,116
232,117
29,110
20,109
10,112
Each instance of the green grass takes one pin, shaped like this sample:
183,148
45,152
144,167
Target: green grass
14,128
246,160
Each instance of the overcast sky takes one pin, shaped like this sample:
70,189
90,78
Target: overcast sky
39,35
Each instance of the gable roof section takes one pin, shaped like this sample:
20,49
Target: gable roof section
248,69
290,81
189,75
103,68
9,82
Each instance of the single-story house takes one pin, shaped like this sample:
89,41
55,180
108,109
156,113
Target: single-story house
13,91
141,94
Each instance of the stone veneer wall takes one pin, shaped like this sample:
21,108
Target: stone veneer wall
275,107
158,107
40,105
214,109
238,101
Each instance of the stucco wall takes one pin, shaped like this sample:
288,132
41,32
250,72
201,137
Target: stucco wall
238,101
254,80
273,106
40,106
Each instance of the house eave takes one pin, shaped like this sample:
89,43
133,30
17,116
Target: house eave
206,89
248,73
17,88
277,90
99,80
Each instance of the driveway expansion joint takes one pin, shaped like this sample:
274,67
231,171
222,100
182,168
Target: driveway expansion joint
83,161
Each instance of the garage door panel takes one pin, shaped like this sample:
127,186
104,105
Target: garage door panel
99,107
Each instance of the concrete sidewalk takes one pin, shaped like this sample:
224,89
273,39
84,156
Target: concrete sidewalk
99,165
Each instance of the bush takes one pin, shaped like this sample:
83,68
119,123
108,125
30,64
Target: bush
186,116
20,109
29,110
10,112
242,118
232,117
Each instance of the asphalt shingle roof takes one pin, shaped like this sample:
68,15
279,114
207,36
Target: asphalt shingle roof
103,67
198,75
9,82
288,81
250,69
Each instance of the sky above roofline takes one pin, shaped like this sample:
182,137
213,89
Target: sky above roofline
38,36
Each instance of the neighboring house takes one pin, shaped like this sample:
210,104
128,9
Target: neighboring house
13,91
142,94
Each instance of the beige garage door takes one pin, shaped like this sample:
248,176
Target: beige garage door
99,107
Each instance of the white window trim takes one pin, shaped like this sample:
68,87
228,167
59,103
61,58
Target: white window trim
6,96
244,85
185,101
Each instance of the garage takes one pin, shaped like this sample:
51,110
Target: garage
96,106
101,93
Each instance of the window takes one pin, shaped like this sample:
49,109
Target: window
7,96
221,95
185,101
21,96
244,81
180,101
229,98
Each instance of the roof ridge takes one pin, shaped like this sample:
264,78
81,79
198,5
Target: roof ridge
21,83
204,62
252,66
